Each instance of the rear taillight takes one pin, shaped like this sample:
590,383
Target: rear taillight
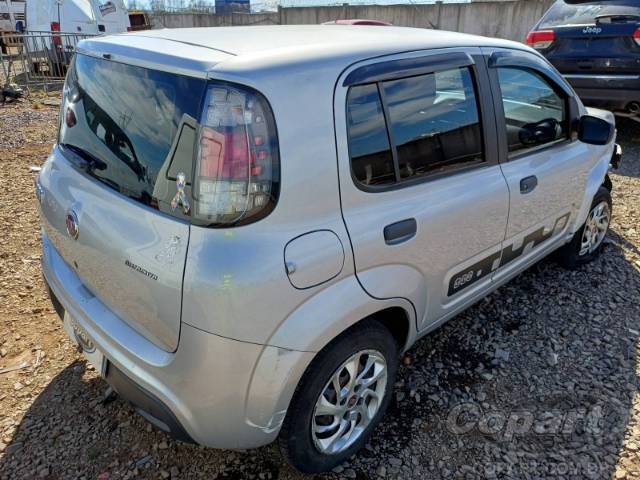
129,29
238,164
541,39
56,39
636,36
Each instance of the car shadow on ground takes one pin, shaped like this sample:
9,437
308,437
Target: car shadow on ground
629,136
538,379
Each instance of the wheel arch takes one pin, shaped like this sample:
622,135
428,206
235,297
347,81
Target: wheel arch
305,333
597,177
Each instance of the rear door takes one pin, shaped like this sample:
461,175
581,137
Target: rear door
423,196
541,158
127,132
76,16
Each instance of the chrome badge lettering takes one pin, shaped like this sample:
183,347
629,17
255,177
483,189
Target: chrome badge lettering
141,270
592,30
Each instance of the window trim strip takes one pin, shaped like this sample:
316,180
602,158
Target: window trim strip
407,67
387,124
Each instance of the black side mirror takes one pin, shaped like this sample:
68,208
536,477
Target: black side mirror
595,130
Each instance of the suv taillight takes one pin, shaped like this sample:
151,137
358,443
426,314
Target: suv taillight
238,164
541,39
56,39
636,36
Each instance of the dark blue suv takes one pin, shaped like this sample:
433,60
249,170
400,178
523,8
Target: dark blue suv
596,46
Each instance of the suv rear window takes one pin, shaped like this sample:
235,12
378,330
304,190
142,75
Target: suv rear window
586,13
134,127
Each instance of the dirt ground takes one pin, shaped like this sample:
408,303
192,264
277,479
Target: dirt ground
539,380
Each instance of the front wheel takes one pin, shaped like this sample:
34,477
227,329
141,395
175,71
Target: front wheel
587,243
341,398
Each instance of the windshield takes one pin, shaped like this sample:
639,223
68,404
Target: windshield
561,14
134,127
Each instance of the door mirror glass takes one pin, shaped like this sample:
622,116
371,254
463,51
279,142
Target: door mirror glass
594,130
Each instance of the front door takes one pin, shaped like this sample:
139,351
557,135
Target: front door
423,196
542,160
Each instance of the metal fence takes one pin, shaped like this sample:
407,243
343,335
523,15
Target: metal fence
37,59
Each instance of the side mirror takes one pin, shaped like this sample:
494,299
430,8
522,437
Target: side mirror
595,130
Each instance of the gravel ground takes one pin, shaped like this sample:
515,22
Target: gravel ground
539,380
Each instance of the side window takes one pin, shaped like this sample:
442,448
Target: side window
535,113
434,122
371,159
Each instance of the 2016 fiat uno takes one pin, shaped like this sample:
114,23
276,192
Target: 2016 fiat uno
243,228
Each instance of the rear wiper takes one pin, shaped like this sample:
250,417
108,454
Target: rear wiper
617,17
83,159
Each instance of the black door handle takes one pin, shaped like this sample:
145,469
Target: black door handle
528,184
400,231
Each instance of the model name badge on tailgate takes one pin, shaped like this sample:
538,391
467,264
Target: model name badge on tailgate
141,270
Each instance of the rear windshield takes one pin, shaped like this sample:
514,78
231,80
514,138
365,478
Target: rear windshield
561,14
132,128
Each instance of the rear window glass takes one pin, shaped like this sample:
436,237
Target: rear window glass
586,13
138,125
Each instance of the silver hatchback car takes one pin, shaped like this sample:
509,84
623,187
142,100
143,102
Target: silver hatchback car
244,228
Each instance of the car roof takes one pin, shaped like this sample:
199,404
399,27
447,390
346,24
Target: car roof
283,44
312,38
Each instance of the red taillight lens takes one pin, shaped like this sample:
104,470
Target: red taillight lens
238,162
636,36
541,39
129,29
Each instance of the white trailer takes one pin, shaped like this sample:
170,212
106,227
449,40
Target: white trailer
87,17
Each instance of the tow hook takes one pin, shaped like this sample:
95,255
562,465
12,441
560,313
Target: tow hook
616,158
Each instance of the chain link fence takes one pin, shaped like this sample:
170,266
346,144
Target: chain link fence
37,59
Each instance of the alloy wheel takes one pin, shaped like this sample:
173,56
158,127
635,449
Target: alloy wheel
349,402
595,228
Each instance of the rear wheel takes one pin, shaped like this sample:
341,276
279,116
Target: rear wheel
340,399
587,243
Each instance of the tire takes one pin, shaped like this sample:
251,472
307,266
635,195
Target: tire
573,254
304,448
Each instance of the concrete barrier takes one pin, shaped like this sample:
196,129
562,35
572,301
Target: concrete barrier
185,20
510,19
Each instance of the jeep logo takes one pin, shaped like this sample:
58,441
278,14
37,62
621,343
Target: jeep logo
592,30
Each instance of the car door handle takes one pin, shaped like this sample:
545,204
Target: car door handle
400,231
528,184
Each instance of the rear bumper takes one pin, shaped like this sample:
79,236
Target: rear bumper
613,92
147,404
205,391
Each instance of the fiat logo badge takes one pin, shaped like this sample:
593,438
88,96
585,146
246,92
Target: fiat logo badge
72,224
